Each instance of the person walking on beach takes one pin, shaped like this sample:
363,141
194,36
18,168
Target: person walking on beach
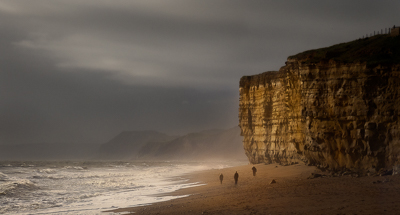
254,170
221,177
236,177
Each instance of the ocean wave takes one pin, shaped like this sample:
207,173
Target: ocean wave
75,167
15,188
3,177
86,196
56,187
16,207
48,177
47,171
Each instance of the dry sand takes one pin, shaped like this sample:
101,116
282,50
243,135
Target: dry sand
292,193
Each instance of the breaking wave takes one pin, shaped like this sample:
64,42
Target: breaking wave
3,177
17,188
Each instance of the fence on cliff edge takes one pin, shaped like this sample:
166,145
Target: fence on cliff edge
387,31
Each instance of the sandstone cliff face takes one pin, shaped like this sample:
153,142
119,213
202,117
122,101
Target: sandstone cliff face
332,114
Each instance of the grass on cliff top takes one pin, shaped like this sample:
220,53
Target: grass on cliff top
380,49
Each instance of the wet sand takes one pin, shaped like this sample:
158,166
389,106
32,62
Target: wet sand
292,193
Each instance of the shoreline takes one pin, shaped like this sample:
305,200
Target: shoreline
292,193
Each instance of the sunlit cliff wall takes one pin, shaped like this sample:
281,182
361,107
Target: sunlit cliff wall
332,114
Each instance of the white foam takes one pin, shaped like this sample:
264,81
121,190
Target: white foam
90,189
47,171
74,167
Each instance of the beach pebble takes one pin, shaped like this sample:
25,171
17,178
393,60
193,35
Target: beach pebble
273,181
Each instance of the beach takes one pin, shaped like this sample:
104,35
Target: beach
293,193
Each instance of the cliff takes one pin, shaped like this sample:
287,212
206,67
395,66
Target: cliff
335,107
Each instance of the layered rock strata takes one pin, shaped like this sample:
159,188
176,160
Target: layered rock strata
332,114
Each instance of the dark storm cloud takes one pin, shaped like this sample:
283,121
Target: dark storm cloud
82,71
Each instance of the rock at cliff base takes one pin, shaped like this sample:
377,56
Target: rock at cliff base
314,175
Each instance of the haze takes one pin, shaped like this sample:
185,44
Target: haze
83,71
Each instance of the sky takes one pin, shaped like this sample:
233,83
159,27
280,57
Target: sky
82,71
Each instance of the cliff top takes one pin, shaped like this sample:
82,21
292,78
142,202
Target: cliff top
380,49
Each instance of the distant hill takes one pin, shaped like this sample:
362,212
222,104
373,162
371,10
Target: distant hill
210,144
135,145
126,144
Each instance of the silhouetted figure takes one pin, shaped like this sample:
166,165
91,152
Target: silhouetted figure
221,177
236,177
254,170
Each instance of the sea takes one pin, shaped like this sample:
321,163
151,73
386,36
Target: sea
92,187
